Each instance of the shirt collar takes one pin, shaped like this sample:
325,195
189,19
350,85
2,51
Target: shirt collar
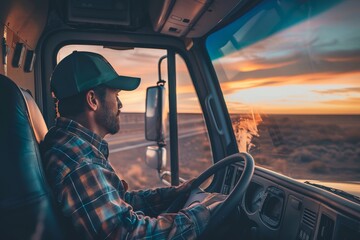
84,133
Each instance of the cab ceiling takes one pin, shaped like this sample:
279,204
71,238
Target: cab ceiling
26,19
190,18
180,18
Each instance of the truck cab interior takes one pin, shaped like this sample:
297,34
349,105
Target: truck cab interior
259,97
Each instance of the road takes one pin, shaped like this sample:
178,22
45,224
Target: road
128,150
132,136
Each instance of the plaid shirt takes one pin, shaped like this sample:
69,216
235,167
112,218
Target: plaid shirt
92,195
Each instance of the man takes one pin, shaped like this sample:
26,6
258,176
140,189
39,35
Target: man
85,185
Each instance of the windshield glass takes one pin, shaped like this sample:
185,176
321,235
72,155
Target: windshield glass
290,75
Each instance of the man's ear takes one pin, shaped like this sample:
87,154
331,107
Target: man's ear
91,100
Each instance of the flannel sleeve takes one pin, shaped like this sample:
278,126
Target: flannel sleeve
154,201
91,196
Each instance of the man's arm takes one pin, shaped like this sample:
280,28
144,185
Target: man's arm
91,196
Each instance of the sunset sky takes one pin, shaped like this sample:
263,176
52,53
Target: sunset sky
311,68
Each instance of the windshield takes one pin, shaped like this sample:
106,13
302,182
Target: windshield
290,75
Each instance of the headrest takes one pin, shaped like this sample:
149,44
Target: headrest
36,119
13,98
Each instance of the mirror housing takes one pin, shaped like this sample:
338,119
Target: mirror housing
155,117
156,157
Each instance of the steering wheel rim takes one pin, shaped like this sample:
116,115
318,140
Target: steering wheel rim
234,197
236,194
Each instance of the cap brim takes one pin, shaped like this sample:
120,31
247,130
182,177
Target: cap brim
124,83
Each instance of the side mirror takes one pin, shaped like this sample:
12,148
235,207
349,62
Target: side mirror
156,157
155,127
155,118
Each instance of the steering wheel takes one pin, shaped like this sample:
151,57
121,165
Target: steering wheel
234,197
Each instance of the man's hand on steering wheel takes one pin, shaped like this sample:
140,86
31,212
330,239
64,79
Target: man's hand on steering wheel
213,200
186,186
220,206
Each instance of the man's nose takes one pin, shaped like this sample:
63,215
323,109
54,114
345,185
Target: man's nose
119,103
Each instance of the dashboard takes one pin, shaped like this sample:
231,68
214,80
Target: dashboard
278,207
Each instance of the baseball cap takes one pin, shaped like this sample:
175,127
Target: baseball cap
81,71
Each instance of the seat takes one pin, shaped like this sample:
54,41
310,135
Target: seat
27,209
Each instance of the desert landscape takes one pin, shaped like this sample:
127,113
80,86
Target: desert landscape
128,149
319,147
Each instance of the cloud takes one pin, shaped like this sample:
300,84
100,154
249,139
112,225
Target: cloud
143,55
353,101
341,90
322,46
237,107
301,64
335,67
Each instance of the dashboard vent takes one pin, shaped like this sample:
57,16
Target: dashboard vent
228,180
326,228
309,218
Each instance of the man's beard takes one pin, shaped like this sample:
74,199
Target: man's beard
109,120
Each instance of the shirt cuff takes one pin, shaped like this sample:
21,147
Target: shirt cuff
200,216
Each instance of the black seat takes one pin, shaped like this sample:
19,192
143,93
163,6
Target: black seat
26,207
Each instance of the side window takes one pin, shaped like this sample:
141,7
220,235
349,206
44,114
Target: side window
194,145
128,147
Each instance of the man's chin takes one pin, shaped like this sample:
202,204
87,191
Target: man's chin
114,131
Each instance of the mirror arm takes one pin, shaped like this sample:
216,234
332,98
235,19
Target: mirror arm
164,174
161,82
161,144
